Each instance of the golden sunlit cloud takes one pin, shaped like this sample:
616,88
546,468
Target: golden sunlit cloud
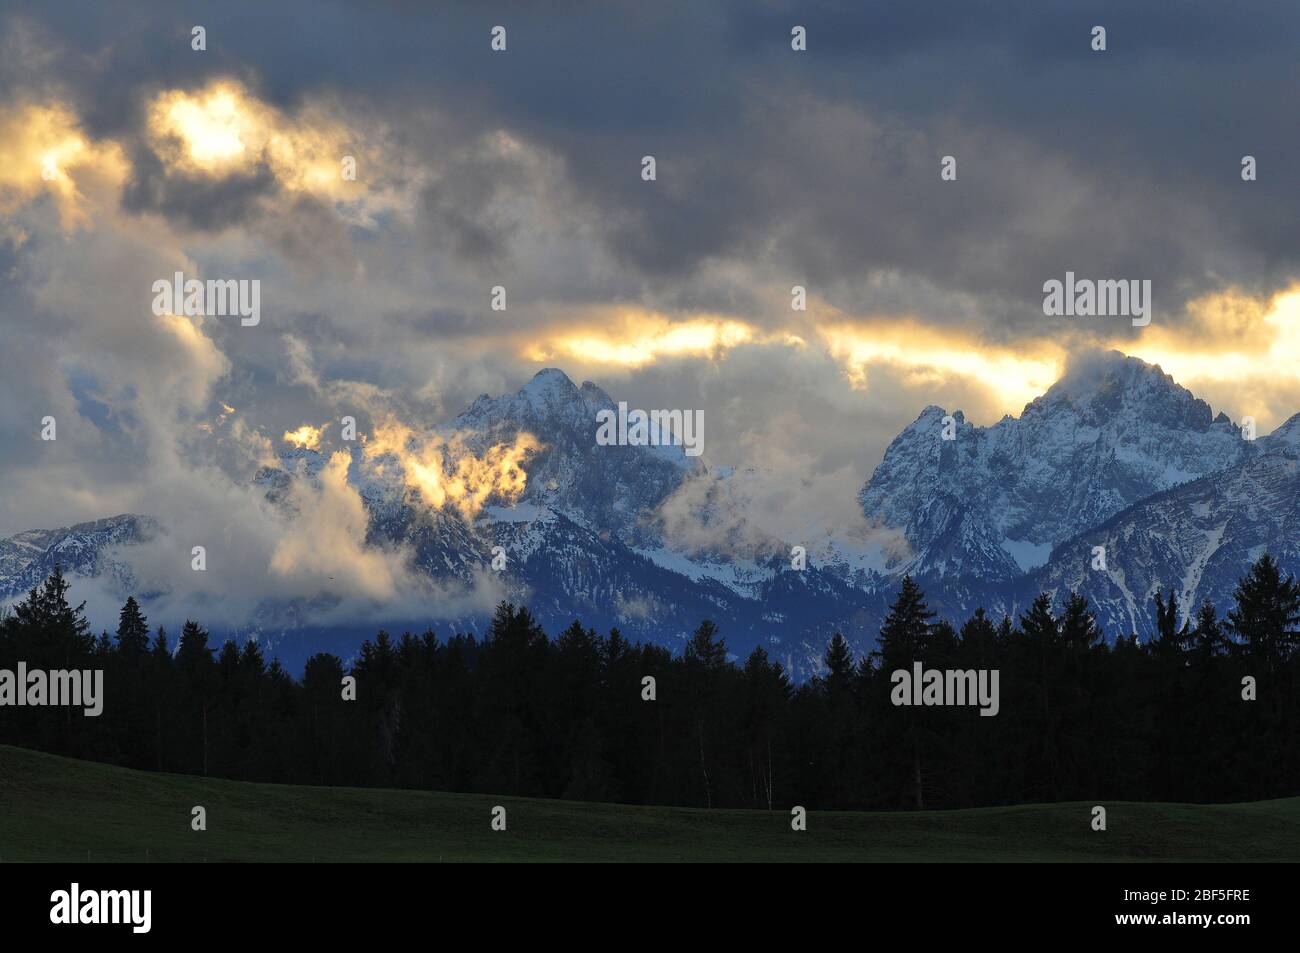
224,129
226,411
200,363
928,356
446,472
632,337
1238,351
43,150
305,437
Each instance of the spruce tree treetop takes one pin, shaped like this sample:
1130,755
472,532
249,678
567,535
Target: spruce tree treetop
132,629
1038,623
706,647
251,659
839,660
49,627
904,636
47,606
193,650
1078,625
1208,639
1266,616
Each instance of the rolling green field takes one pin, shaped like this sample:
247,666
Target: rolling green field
58,809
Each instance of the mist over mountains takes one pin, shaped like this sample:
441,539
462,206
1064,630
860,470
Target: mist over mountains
1116,454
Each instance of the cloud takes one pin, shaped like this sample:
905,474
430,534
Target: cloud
448,471
331,544
306,437
307,555
45,152
631,337
523,170
1244,353
222,130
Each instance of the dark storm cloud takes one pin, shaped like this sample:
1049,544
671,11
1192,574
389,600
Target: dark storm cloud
308,233
460,213
445,322
200,201
822,164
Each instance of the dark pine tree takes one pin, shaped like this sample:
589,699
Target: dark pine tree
705,657
906,637
1266,621
1266,617
132,631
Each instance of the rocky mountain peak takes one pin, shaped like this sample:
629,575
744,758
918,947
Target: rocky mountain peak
1106,386
1113,430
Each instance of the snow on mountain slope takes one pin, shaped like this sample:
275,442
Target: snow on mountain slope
610,488
1285,439
651,541
1196,540
993,501
86,549
587,537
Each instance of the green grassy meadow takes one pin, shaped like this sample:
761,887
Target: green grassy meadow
59,809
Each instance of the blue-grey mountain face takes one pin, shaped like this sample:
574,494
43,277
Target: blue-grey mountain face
992,502
583,541
27,559
610,489
1194,540
1115,455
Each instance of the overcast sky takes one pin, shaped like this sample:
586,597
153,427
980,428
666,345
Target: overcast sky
126,155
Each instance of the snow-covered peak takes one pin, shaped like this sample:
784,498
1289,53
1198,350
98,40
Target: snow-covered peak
80,550
550,406
1094,371
608,488
594,396
1102,386
549,390
1285,439
1112,431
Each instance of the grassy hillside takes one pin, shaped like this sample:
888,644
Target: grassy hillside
58,809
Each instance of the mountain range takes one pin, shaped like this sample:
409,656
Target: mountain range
1116,455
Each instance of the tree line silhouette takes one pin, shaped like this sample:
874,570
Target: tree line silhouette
519,713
